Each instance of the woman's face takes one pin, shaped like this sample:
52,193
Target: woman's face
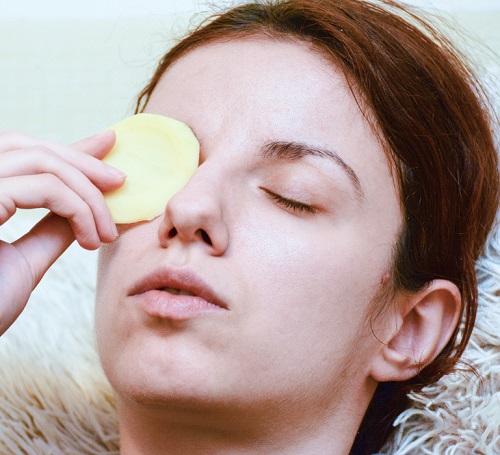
284,233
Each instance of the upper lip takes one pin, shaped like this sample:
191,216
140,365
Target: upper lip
183,279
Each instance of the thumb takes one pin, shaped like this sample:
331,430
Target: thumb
44,243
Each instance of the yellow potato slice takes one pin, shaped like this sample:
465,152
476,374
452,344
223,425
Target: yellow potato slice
159,155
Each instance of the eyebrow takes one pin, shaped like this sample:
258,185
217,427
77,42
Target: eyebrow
276,150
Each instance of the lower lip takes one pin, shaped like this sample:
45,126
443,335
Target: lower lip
163,304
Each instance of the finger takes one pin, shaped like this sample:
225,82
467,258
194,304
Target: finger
44,243
97,145
39,159
47,191
37,162
85,156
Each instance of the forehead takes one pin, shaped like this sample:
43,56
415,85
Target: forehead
284,81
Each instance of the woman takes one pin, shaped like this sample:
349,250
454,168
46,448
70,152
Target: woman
317,265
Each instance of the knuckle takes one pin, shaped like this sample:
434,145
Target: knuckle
39,157
94,198
80,212
84,227
52,189
39,152
77,210
7,208
50,183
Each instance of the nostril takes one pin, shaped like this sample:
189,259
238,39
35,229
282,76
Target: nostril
206,237
172,233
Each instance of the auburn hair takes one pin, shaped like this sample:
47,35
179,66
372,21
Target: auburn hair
431,115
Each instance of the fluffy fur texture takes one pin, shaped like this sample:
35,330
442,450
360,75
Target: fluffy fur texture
54,398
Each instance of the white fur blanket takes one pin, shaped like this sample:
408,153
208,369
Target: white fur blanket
54,398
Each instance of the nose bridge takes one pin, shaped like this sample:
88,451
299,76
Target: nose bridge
196,212
203,189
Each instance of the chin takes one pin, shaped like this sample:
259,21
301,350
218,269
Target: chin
158,376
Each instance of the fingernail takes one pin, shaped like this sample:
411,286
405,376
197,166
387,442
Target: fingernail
114,171
102,135
114,230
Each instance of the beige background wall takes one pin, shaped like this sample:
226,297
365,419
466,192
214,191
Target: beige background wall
68,78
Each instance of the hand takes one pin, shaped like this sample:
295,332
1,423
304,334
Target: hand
68,181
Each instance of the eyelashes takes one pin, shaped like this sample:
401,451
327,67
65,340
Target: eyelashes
290,204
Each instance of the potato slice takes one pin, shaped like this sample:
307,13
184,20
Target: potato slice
159,155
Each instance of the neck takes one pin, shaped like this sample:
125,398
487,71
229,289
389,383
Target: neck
159,429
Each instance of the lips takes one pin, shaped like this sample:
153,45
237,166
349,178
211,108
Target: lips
177,291
175,294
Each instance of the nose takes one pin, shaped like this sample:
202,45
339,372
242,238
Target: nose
195,215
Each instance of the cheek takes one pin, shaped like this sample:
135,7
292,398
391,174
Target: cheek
107,272
115,274
102,309
106,254
306,304
112,267
115,258
320,261
327,278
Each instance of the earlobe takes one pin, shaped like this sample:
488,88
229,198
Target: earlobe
426,322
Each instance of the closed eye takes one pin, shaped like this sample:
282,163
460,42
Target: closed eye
290,204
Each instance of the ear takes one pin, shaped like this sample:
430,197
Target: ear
425,322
